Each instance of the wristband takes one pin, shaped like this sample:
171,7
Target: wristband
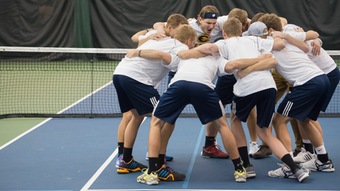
139,53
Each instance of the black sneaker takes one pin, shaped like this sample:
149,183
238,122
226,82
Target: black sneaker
166,173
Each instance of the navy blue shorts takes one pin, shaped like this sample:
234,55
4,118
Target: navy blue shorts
135,95
181,93
265,106
307,100
334,77
225,87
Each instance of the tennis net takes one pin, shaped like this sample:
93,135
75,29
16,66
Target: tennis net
72,82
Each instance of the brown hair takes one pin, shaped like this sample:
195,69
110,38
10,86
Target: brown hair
185,33
240,14
208,9
174,20
256,17
232,27
272,21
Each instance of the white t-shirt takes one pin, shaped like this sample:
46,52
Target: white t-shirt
248,47
323,60
201,36
217,31
200,70
151,72
294,65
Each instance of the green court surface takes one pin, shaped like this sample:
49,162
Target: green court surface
13,127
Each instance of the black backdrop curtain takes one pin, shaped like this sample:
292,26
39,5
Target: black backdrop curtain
110,23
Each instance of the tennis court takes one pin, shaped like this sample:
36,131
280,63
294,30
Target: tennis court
79,153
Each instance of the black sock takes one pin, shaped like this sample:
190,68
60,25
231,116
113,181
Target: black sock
238,164
323,157
153,164
120,148
309,147
244,155
161,159
127,154
209,141
288,160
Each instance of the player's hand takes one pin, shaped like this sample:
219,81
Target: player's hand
316,47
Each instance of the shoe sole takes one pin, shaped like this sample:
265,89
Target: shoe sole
260,157
126,171
213,157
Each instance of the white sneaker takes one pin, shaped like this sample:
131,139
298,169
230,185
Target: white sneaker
253,148
304,156
285,172
317,165
282,172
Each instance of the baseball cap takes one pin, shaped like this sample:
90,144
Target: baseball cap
255,29
290,28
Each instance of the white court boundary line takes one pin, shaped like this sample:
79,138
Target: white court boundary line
102,168
193,190
43,122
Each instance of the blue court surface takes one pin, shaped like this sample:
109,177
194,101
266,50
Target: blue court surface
80,154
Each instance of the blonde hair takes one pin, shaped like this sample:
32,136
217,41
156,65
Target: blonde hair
185,33
232,27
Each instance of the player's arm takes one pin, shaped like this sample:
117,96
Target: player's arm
242,63
150,54
265,64
136,36
296,42
199,51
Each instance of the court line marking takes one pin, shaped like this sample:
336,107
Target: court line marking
193,157
102,168
48,119
24,133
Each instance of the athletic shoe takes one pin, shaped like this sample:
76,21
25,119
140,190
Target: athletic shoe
120,157
253,148
303,157
240,175
250,171
317,165
301,174
166,173
131,166
263,152
167,158
149,179
284,172
214,151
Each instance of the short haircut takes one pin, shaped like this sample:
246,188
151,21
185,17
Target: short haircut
272,21
256,17
175,20
240,14
232,27
185,33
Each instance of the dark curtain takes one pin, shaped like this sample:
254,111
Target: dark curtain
36,23
111,23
